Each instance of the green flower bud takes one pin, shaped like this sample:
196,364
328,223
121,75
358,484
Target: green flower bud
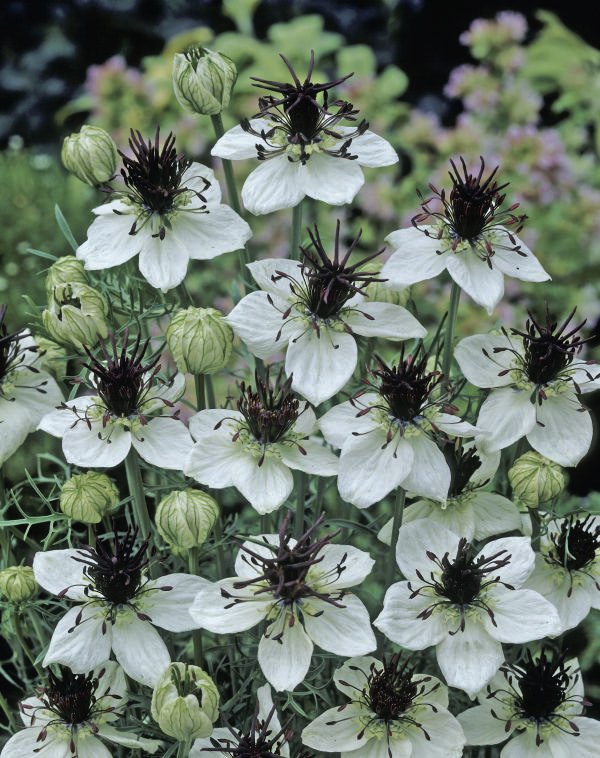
67,269
380,292
185,702
53,357
90,155
203,80
76,315
535,480
88,497
200,340
17,584
184,518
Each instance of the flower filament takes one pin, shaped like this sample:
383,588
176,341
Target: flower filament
13,356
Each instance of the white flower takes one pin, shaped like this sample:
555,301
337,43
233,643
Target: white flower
71,712
254,448
469,510
27,392
169,212
315,308
300,589
535,381
386,438
567,568
393,712
265,734
467,238
466,604
536,704
126,410
119,607
302,149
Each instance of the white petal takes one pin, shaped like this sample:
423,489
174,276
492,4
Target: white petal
563,431
163,263
342,420
335,730
213,461
481,365
207,235
429,475
85,647
334,181
525,267
454,425
418,538
484,285
56,422
573,603
585,745
139,649
57,570
523,746
521,616
237,144
306,423
414,258
506,415
246,566
445,737
344,631
387,320
586,374
33,712
222,615
521,561
265,271
203,424
112,680
457,517
469,659
128,739
16,425
24,744
83,447
357,565
351,677
169,609
285,660
89,746
109,242
321,363
171,391
373,151
164,442
317,459
398,619
480,727
193,179
36,400
370,468
265,708
273,185
267,486
259,323
204,746
494,514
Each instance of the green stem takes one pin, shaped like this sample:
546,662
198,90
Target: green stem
296,230
7,712
449,336
196,633
23,643
219,547
35,623
184,749
3,499
210,391
536,524
232,193
302,481
398,513
320,496
200,392
136,490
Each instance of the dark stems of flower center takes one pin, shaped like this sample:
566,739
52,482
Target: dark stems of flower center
71,696
576,544
391,690
462,463
270,411
11,354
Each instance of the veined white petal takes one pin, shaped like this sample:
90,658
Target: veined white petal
585,745
479,362
506,415
193,179
245,567
521,561
316,459
222,614
108,242
351,677
59,570
83,447
213,461
494,514
429,475
398,619
329,627
207,235
163,263
571,600
81,646
418,538
36,400
33,712
457,517
474,276
356,566
454,425
113,681
15,425
481,728
525,267
392,322
445,737
204,746
139,648
563,431
25,743
339,423
164,442
169,608
203,423
237,144
469,659
414,257
258,322
56,422
335,730
170,391
128,739
306,423
273,185
89,746
520,616
331,180
523,746
266,486
372,150
284,653
265,271
586,374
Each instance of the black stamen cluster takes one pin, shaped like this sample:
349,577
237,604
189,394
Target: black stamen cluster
71,696
463,463
270,411
575,546
11,354
542,683
260,741
391,690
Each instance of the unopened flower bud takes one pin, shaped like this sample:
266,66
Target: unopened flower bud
535,480
184,518
203,80
185,702
17,584
381,292
76,315
53,357
88,497
67,269
91,155
200,340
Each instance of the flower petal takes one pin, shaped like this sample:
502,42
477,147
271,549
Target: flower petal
16,425
108,241
89,746
389,321
164,442
267,274
80,646
328,626
203,423
429,475
213,461
351,677
139,648
522,746
169,608
331,180
84,447
480,727
25,743
469,659
418,538
316,459
128,739
163,263
479,362
266,486
60,570
563,431
284,653
222,615
273,185
257,321
525,267
506,415
456,516
521,561
445,737
585,745
414,258
474,276
339,423
398,619
520,616
336,730
494,514
237,144
454,425
572,601
356,566
306,423
193,179
372,150
219,231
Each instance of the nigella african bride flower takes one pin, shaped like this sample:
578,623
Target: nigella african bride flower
125,410
392,712
300,588
302,148
465,602
536,382
254,448
27,392
471,236
119,605
388,435
71,712
315,308
536,704
169,211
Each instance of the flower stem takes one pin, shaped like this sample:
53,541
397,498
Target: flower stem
196,633
200,392
449,337
296,230
232,193
7,712
2,487
136,490
23,643
184,747
210,391
536,524
398,513
302,482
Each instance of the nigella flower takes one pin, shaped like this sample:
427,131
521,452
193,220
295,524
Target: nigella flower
536,704
567,568
169,211
472,237
27,392
69,714
126,409
300,587
465,602
119,605
315,308
254,448
469,510
392,712
265,737
536,382
302,148
387,436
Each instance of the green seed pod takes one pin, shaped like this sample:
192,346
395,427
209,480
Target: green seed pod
17,584
185,702
200,340
76,315
535,480
91,155
53,357
88,497
203,80
67,269
184,518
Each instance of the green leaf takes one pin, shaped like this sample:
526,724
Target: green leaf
65,228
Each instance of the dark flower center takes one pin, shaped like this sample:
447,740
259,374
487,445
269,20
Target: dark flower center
576,544
71,696
259,742
543,684
11,354
463,464
391,690
407,386
270,411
